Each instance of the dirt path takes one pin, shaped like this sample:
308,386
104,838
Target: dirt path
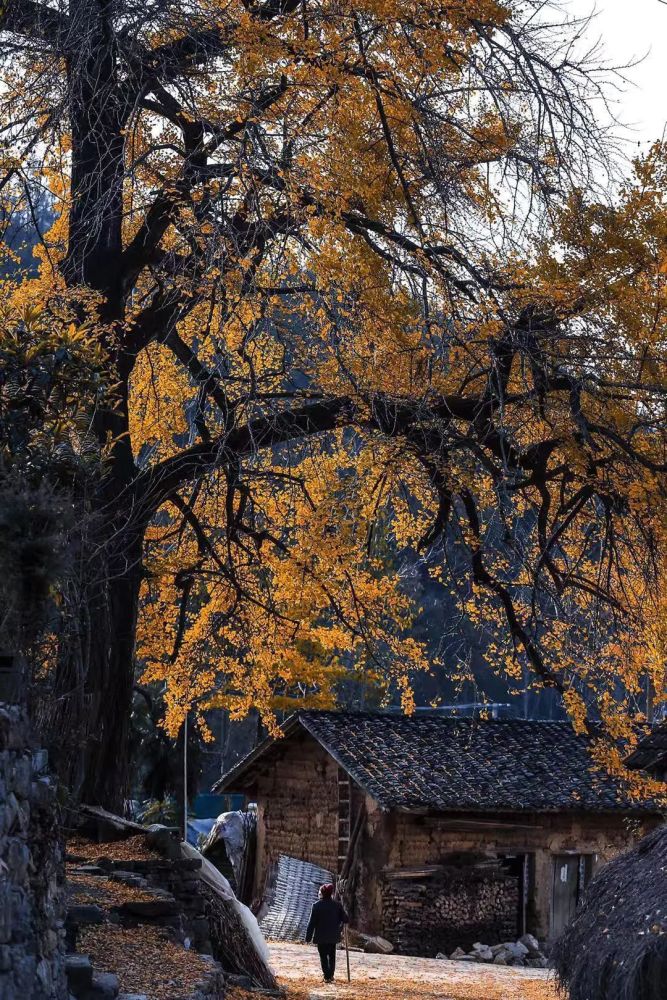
378,977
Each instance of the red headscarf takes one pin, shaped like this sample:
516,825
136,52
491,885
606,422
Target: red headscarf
326,890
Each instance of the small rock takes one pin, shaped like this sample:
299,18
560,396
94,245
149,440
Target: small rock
484,954
537,963
441,956
467,958
242,982
164,840
500,959
495,948
531,943
40,761
516,950
104,987
89,870
128,878
457,953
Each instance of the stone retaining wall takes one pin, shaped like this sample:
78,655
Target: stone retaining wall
31,869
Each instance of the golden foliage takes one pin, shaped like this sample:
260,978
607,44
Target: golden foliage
313,211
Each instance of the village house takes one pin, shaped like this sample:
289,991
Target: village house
447,830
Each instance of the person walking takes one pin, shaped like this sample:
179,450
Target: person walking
324,927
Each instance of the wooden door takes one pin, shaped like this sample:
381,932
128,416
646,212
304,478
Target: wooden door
565,891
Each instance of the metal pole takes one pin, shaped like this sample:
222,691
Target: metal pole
347,955
185,779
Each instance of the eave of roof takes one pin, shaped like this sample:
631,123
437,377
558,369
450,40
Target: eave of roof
228,781
651,752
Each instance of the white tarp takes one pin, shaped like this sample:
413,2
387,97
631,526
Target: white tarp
233,829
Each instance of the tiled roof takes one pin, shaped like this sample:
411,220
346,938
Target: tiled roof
651,752
455,764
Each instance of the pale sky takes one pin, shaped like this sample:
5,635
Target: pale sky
628,31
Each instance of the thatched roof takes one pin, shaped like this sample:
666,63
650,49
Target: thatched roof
616,947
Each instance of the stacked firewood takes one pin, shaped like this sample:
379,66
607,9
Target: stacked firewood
449,908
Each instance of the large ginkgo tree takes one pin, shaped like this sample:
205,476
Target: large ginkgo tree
352,289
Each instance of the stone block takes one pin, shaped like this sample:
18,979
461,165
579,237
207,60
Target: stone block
17,858
164,840
5,911
104,987
200,927
40,761
79,972
152,909
44,977
24,968
537,963
241,982
89,870
85,913
43,793
532,944
515,949
22,776
483,953
21,923
128,878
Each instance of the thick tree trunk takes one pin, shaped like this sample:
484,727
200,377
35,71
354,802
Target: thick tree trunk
110,682
86,716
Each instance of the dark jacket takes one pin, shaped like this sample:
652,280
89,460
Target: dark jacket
326,921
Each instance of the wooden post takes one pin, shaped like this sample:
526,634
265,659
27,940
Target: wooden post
185,780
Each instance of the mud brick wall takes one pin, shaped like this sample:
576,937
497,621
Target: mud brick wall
458,908
32,901
297,797
400,840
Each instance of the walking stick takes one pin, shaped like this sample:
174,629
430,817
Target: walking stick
347,955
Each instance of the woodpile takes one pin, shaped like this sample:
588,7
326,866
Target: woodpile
438,910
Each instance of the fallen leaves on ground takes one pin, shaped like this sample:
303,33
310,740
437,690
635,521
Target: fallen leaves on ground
480,988
376,977
130,849
101,891
144,959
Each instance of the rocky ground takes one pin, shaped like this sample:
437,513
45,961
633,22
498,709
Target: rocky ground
378,977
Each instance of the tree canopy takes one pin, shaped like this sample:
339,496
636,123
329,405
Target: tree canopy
354,288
